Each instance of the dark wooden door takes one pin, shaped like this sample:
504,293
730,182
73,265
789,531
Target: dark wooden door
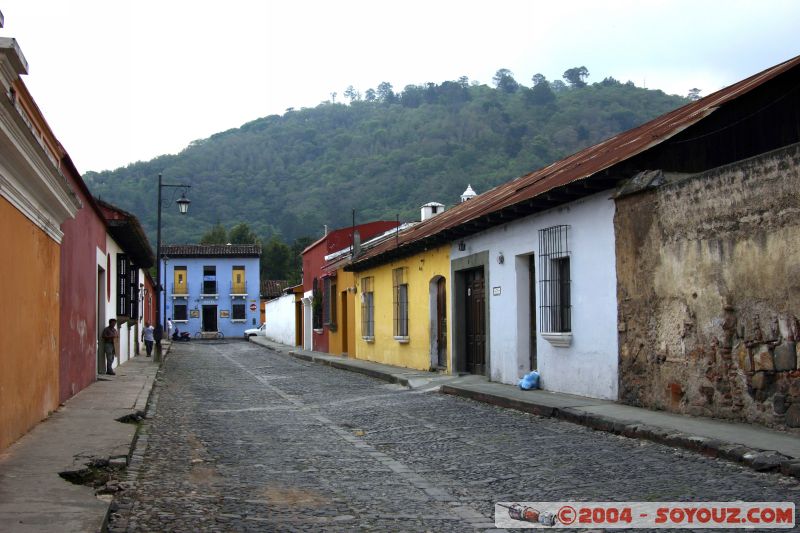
209,318
343,324
476,321
532,325
441,322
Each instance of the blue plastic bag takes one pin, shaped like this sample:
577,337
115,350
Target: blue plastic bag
529,381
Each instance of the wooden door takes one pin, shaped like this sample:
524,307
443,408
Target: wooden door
209,318
343,323
532,324
476,321
441,322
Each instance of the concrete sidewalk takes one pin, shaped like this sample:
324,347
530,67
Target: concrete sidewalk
33,497
755,446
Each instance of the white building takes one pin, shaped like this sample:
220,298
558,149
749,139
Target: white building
549,299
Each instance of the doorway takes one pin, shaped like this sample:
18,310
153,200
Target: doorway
438,324
532,304
475,321
101,318
344,325
210,318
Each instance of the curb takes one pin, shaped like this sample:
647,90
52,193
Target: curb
758,460
377,374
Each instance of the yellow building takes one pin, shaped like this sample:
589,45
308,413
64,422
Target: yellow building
402,308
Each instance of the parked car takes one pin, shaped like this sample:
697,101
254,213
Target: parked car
260,331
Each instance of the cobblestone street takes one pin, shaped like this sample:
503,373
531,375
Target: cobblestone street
244,439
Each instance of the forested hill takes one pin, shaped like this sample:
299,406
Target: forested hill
383,153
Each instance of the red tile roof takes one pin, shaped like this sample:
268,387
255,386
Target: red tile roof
498,205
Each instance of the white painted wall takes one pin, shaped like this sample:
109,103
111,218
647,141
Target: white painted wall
279,319
588,367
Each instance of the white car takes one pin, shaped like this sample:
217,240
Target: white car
260,331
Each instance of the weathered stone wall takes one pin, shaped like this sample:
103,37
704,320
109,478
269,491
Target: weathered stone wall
708,281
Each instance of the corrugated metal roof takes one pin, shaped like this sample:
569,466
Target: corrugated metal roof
211,250
577,167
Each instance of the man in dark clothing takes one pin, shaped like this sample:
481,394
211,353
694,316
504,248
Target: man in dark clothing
109,334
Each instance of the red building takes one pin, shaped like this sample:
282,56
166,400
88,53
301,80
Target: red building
315,329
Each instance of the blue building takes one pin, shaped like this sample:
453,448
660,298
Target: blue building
212,287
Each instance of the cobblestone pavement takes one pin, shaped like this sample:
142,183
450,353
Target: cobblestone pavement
244,439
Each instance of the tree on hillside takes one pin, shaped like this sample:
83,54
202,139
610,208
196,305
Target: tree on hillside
370,95
242,234
694,94
352,94
504,80
540,93
216,235
576,76
385,93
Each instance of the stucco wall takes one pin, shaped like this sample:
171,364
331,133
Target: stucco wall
83,235
29,366
280,319
588,367
709,285
416,353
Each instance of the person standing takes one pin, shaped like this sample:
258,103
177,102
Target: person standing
148,338
109,335
169,327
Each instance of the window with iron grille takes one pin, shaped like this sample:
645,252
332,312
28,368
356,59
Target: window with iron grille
367,308
179,312
554,280
400,286
316,305
133,291
329,302
238,312
122,284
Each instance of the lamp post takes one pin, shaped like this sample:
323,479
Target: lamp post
183,207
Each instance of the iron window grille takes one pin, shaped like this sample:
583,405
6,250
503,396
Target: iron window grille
329,302
367,307
400,286
316,305
179,312
238,312
209,280
127,287
555,309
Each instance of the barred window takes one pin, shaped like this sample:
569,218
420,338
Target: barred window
238,312
554,283
329,301
179,312
400,286
316,305
127,287
367,307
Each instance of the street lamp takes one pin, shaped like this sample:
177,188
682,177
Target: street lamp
183,207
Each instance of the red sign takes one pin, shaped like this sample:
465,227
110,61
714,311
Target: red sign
253,307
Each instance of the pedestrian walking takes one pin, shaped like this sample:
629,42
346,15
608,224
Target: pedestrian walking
169,327
148,338
109,334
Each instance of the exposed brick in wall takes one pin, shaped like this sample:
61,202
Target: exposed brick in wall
708,273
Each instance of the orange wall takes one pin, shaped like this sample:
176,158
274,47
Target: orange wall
29,316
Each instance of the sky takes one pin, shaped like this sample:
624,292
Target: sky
121,82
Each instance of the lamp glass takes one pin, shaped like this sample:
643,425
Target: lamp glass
183,204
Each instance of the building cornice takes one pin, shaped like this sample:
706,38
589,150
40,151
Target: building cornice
28,178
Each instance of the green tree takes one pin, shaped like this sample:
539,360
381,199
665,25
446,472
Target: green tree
276,260
352,94
242,234
215,235
386,93
576,76
370,95
694,94
504,80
